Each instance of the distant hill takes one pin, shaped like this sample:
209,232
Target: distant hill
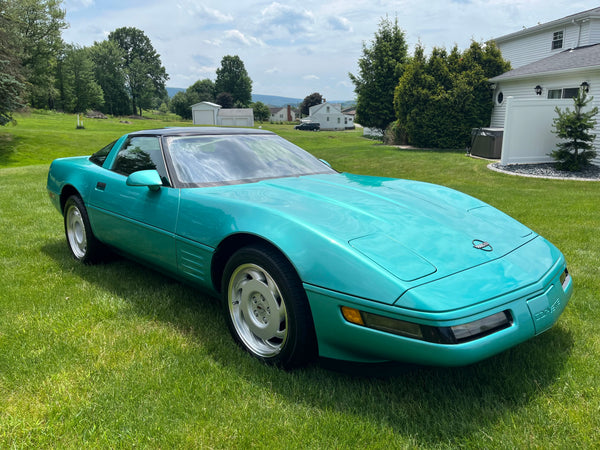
269,100
273,100
172,91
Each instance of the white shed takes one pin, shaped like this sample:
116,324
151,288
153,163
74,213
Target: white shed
236,117
205,113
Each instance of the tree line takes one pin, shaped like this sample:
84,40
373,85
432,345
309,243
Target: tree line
121,75
426,101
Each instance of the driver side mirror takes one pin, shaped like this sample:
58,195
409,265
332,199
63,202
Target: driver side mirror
149,178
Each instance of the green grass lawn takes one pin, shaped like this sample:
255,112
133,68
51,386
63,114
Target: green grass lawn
117,356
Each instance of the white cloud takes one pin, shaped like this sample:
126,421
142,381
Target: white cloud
339,24
273,71
279,42
237,36
204,13
293,21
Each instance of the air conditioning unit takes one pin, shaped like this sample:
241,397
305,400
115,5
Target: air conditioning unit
487,142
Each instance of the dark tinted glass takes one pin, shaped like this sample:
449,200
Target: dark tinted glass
100,156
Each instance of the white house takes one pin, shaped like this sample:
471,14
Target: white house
207,113
551,62
286,114
330,116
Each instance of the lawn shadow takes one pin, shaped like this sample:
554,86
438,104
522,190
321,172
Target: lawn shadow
429,405
8,142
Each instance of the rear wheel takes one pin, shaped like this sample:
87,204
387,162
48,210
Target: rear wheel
83,244
266,307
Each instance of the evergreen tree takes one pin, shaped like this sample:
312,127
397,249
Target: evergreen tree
380,67
38,26
575,127
78,87
11,81
440,99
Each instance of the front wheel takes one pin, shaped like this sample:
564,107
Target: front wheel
83,244
266,307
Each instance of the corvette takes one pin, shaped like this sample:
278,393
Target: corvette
310,262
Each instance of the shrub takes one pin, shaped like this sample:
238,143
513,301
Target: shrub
577,149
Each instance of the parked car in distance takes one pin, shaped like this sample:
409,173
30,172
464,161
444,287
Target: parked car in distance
310,262
310,126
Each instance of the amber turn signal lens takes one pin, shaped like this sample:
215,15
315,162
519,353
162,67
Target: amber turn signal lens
352,315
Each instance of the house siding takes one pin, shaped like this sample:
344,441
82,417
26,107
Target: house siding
593,31
329,116
536,46
524,89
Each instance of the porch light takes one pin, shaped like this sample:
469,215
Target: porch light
585,86
538,90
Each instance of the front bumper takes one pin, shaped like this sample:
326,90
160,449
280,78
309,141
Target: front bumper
534,308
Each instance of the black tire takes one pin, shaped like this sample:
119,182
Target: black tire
81,240
266,308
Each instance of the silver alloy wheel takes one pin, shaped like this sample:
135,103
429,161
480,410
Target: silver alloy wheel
76,232
257,310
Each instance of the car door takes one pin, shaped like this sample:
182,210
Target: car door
136,219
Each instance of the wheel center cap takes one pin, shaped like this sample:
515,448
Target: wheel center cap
260,308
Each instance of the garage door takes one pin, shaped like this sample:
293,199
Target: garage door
235,122
204,118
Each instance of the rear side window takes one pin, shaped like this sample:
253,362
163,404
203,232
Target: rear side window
100,156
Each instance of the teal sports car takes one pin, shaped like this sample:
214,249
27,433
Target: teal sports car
310,262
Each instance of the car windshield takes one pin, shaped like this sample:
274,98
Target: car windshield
219,160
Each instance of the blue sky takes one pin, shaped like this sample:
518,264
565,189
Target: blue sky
293,49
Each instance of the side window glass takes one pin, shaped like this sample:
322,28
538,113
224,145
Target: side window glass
140,153
100,156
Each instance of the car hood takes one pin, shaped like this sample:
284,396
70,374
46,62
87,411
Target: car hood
412,229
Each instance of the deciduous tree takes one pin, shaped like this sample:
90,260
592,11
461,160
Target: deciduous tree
109,72
310,100
233,79
261,111
145,76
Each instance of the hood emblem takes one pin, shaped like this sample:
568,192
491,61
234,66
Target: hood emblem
482,245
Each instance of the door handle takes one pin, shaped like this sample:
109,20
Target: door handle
100,186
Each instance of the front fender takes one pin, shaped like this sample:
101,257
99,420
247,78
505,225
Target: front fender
320,259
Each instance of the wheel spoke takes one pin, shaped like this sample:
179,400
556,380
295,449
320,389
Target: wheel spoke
257,310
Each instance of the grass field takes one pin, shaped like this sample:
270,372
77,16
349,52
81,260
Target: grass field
117,356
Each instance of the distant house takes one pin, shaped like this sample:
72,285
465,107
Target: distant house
207,113
551,62
330,116
286,114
